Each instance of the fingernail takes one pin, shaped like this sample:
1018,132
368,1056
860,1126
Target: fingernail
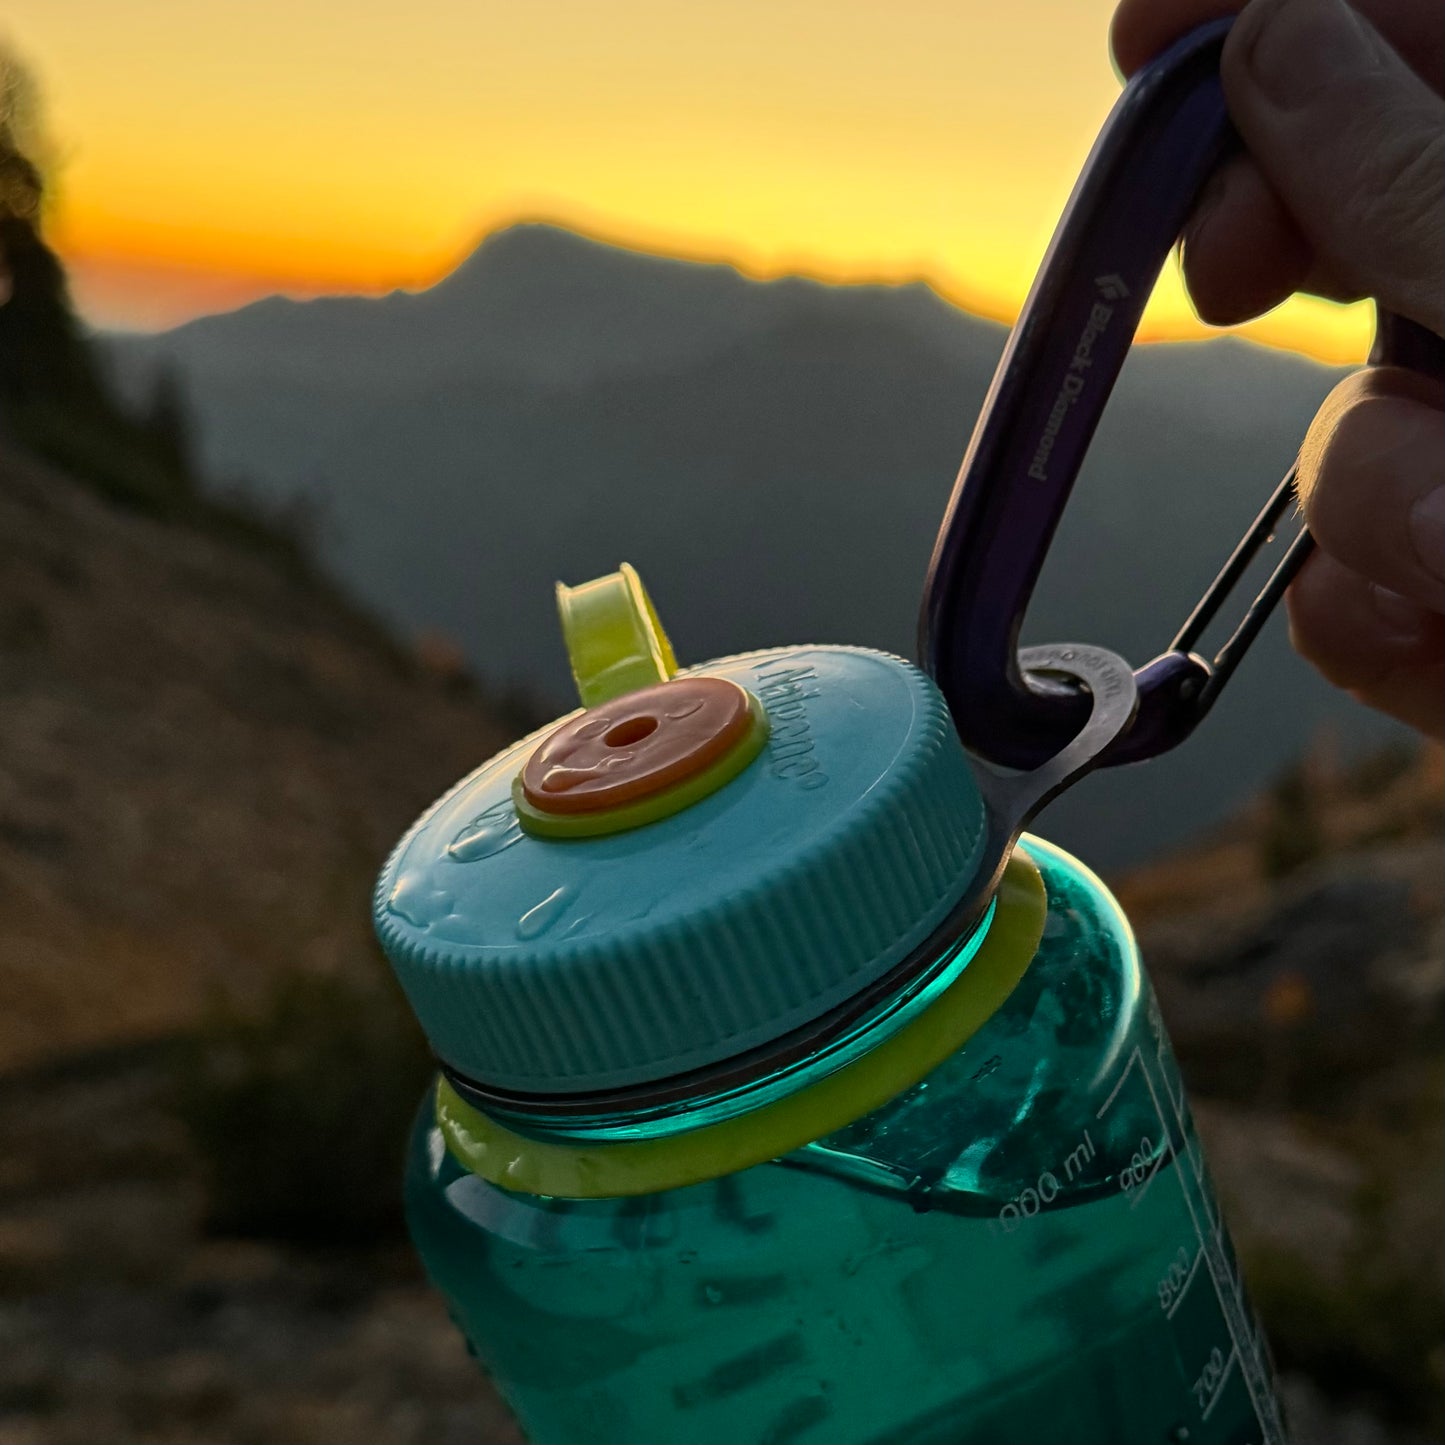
1398,613
1296,48
1427,532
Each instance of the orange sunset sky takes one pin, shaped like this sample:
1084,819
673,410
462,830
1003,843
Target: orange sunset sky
211,152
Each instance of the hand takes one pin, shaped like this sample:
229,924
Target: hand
1342,193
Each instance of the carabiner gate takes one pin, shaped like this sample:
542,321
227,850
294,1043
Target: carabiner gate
1166,135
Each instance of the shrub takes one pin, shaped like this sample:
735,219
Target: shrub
300,1112
1292,834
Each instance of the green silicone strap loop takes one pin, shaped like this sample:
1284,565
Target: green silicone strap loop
647,1166
614,639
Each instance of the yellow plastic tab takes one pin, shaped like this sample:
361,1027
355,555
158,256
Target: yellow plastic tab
614,639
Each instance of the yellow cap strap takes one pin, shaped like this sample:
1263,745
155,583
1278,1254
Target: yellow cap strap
615,641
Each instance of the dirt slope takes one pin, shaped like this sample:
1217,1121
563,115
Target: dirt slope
203,758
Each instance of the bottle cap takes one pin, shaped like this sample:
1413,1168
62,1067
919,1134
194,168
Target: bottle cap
779,831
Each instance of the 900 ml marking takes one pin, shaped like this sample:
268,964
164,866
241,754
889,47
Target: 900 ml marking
1144,1164
1138,1169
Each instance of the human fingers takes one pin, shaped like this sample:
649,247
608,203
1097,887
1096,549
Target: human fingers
1141,29
1243,251
1372,481
1353,143
1386,650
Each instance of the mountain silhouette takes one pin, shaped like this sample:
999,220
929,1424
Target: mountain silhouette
773,456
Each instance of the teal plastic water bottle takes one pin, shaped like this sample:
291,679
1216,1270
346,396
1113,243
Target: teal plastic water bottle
755,1124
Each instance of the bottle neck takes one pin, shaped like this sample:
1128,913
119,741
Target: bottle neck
687,1108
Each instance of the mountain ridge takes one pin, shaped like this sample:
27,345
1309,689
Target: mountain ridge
773,455
605,308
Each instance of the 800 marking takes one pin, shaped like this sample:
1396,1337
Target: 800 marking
1175,1280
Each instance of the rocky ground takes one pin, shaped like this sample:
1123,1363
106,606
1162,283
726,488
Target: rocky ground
1300,962
122,1320
204,754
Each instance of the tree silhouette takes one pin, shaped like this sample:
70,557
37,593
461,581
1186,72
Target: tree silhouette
22,143
55,399
43,354
169,421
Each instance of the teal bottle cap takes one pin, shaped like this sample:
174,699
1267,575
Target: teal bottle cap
541,964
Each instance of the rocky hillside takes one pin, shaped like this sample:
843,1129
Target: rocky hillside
204,756
205,753
1300,960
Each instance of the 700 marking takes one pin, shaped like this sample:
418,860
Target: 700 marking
1209,1377
1210,1384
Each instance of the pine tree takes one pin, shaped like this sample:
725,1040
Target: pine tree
169,424
43,354
54,398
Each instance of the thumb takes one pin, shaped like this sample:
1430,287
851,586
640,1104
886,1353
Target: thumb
1352,140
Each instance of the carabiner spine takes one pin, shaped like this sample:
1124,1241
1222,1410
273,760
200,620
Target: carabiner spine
1164,137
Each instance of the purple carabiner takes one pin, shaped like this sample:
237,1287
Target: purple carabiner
1167,133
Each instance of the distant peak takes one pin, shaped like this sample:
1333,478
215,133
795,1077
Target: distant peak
534,237
536,245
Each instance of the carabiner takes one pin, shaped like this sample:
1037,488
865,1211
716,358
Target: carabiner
1166,135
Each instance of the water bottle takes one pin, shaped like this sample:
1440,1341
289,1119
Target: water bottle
760,1118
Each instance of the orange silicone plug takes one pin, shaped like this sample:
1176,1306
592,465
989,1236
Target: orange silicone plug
637,745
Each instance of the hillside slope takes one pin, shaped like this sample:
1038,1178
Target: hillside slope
204,756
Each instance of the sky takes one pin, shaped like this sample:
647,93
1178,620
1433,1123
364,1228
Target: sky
210,152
